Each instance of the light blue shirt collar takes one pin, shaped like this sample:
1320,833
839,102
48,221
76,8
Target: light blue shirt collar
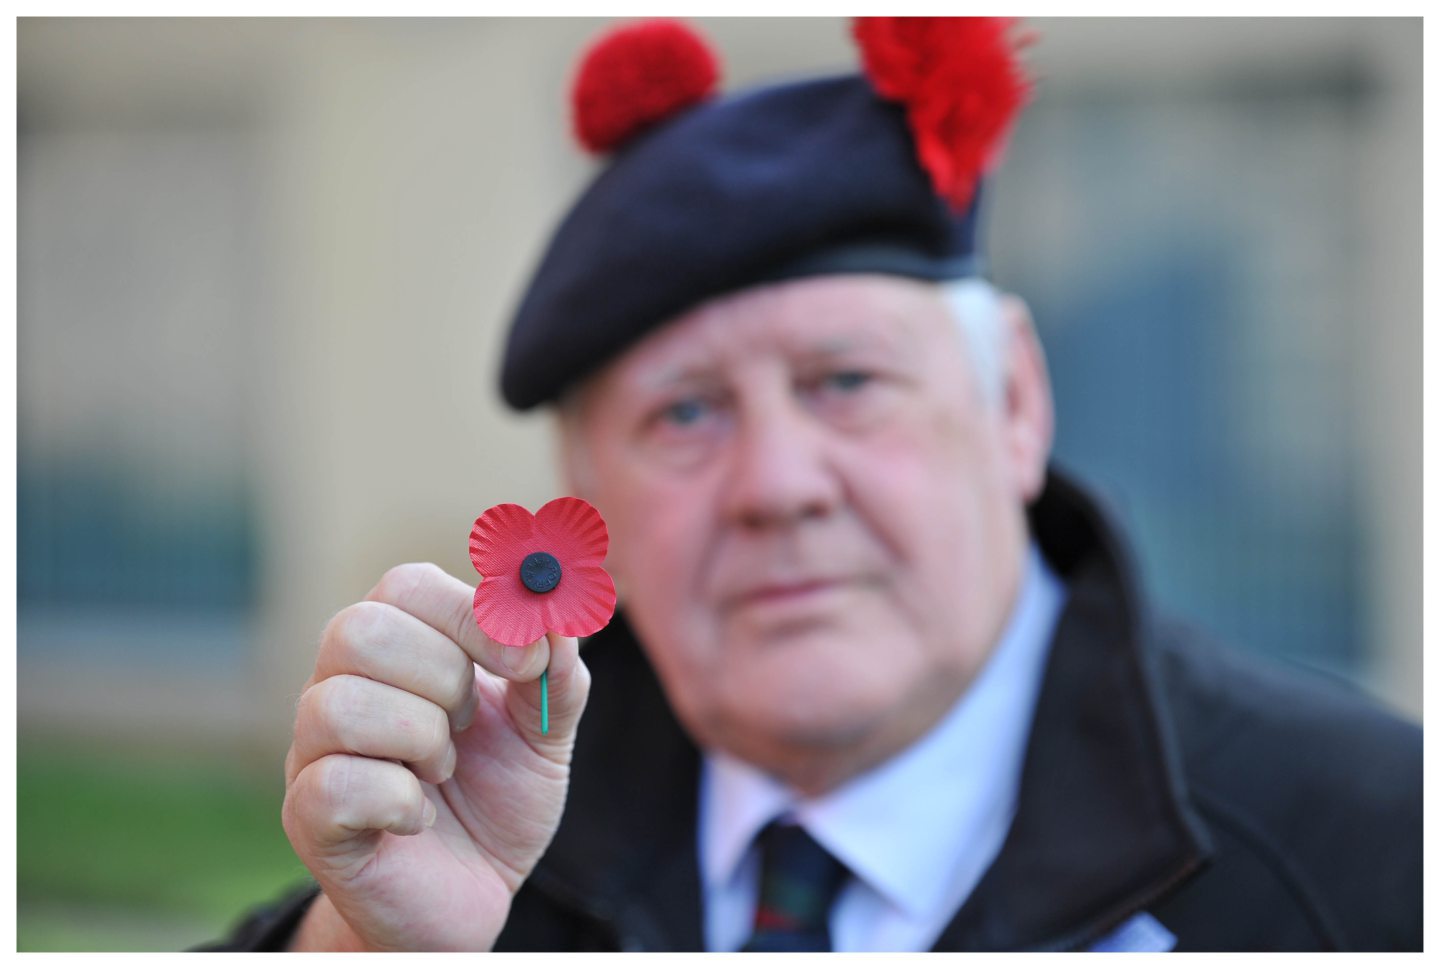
918,830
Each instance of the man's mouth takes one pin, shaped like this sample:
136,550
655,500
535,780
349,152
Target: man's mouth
786,592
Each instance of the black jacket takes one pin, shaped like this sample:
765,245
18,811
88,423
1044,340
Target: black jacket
1245,807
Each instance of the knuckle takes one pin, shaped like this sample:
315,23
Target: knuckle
462,685
326,705
422,734
439,741
336,699
351,633
305,712
313,795
401,580
290,820
335,790
334,777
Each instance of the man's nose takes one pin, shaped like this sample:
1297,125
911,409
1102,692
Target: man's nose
780,472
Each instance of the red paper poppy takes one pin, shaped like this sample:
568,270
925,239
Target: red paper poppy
541,572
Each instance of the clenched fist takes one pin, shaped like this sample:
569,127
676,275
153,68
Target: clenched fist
420,792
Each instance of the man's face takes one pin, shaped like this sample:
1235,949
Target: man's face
816,521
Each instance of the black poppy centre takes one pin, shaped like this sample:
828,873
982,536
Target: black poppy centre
540,571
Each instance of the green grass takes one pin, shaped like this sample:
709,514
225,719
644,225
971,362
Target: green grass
123,850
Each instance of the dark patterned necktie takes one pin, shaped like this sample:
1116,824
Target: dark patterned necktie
798,882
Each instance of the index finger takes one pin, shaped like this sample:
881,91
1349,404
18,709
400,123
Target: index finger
446,604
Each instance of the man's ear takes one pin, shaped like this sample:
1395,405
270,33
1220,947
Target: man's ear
1029,410
577,473
571,460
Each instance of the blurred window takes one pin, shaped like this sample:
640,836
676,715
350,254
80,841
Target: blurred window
137,305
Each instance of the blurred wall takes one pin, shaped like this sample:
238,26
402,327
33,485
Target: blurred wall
265,269
1217,225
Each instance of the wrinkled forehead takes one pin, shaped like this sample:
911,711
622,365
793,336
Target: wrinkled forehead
797,321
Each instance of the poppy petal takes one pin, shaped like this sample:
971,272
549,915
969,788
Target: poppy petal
500,539
508,612
582,604
575,532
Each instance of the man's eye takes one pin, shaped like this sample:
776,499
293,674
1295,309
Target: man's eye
683,412
848,380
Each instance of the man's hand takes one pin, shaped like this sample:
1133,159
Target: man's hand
419,789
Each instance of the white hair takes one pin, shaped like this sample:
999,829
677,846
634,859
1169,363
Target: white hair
974,305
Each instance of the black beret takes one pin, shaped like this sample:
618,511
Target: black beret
794,180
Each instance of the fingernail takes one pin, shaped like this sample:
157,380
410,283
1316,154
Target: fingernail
447,769
428,814
517,658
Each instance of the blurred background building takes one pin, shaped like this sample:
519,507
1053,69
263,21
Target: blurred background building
265,268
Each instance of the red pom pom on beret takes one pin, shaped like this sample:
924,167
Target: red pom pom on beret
637,75
962,87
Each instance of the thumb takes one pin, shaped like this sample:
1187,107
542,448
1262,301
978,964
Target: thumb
559,695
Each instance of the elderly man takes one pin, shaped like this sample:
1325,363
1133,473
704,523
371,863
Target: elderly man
882,679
